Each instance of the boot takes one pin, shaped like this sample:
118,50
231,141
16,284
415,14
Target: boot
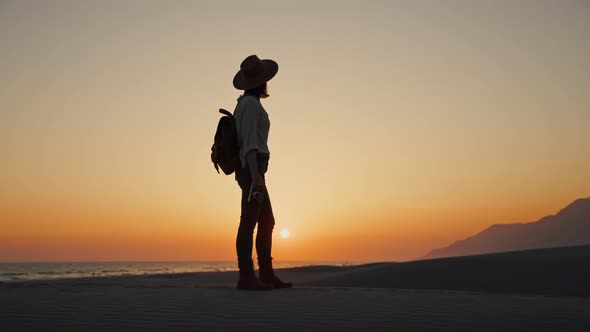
268,276
248,280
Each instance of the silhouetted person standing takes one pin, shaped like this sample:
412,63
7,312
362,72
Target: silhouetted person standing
253,125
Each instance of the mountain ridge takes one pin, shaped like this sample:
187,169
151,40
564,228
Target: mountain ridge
570,226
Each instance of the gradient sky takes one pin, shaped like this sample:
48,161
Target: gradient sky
397,127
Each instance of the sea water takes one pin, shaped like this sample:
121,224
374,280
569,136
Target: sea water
31,271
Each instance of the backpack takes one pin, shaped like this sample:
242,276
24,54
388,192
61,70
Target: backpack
225,152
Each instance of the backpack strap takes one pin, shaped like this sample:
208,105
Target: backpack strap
222,111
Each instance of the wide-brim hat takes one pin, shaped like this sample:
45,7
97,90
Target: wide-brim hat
254,72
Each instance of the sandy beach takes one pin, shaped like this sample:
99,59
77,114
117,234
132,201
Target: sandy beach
381,296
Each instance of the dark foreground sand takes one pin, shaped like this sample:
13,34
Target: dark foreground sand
414,296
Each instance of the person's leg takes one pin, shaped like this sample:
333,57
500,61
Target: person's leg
248,218
266,223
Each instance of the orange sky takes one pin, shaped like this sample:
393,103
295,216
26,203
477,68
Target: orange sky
397,127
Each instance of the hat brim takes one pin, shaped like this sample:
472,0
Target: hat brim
270,70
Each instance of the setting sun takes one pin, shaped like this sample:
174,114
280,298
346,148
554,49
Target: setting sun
284,233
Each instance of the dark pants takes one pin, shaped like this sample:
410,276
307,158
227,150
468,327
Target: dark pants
254,212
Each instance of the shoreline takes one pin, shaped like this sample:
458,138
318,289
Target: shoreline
561,271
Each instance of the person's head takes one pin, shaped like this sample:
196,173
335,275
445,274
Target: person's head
260,91
254,75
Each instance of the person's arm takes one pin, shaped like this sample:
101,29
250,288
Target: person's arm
249,135
254,173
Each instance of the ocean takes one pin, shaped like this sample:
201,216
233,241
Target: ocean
33,271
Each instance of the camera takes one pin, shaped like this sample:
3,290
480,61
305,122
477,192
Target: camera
257,195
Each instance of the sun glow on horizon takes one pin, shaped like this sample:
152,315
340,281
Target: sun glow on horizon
284,233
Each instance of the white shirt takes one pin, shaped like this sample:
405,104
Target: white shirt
253,126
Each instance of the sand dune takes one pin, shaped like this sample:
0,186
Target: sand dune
476,293
553,271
